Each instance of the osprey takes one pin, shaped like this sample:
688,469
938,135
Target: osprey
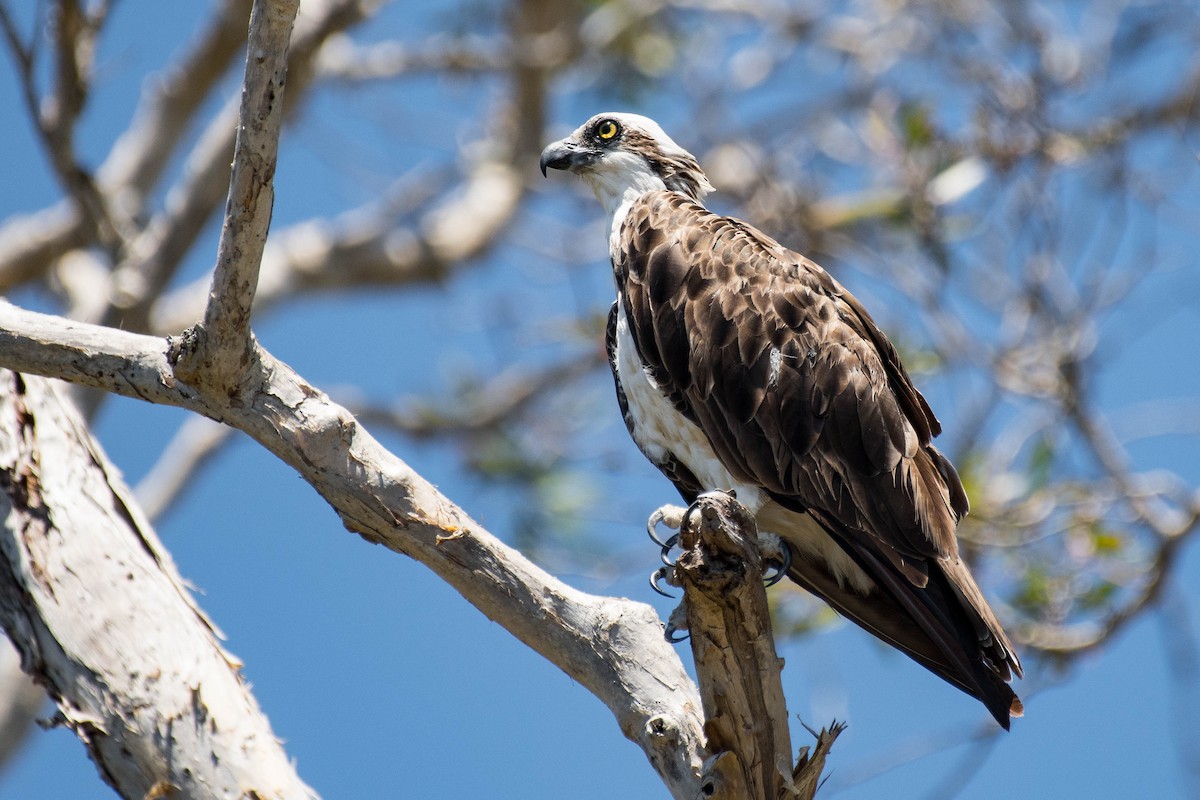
742,365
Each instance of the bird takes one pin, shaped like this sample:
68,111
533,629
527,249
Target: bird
742,365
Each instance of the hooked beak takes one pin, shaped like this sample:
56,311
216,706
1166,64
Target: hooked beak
565,154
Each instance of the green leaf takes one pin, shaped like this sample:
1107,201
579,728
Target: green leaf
1041,462
917,126
1097,596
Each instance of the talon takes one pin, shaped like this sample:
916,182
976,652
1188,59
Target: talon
777,558
660,574
670,632
675,623
776,570
652,523
667,546
671,516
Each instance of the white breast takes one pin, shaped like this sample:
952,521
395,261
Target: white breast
661,431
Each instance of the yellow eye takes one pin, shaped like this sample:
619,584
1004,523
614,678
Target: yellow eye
607,129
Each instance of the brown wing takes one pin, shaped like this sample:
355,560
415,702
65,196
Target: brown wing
799,392
790,378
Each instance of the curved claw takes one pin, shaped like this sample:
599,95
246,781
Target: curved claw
652,524
660,574
776,570
671,631
665,555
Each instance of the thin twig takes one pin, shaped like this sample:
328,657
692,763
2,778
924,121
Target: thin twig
75,32
196,443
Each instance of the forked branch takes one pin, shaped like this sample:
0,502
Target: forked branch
613,647
222,346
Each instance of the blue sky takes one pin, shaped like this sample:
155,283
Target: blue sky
384,683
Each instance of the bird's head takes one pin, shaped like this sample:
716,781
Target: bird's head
622,153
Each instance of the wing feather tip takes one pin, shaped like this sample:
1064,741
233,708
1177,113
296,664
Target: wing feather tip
1005,716
1016,709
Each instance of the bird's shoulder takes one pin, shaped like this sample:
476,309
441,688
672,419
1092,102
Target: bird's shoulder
666,224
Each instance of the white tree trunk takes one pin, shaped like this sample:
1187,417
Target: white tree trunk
102,620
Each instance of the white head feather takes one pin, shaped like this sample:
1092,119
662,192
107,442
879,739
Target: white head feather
642,158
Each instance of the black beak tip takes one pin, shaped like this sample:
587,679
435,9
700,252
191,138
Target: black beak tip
556,156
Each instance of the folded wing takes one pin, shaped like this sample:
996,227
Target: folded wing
799,392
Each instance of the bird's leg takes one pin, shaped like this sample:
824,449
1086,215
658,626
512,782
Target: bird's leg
776,559
776,556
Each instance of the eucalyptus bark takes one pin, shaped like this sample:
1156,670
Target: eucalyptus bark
612,646
103,622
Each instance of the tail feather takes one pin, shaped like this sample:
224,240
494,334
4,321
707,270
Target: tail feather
946,626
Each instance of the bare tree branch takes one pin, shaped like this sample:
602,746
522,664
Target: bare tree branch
736,666
136,669
55,117
222,346
30,244
195,444
612,647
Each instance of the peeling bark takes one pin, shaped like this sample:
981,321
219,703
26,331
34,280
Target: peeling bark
102,621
